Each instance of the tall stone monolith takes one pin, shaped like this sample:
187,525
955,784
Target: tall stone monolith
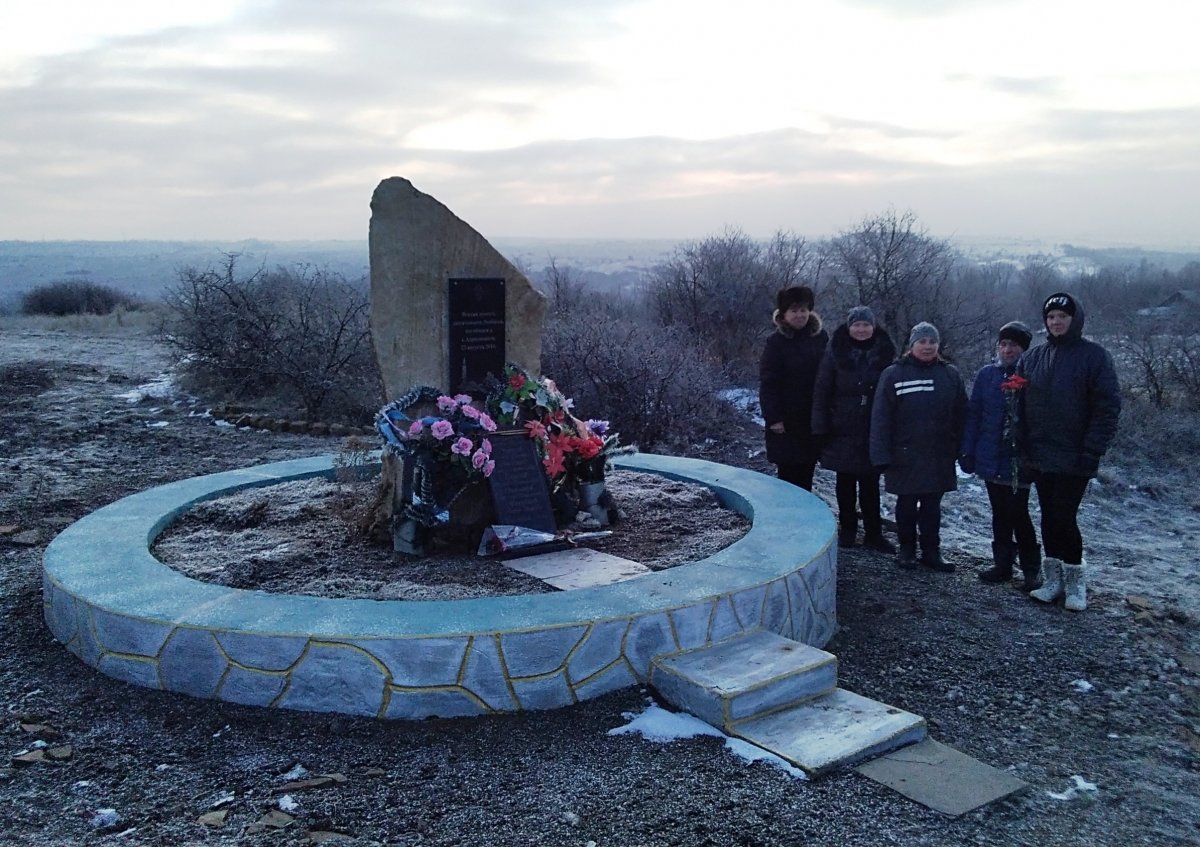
418,247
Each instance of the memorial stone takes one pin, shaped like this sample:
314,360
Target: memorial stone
419,251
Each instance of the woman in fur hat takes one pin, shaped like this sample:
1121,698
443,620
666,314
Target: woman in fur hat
1071,405
989,451
787,372
858,353
916,428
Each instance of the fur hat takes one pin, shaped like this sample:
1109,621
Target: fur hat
1062,301
860,313
1016,332
796,295
923,330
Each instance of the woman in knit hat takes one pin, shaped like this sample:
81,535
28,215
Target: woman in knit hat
916,428
1069,418
787,373
857,355
989,451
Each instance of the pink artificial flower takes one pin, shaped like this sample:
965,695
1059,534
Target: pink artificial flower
486,447
486,422
415,428
479,459
462,446
488,467
462,399
471,412
442,429
447,404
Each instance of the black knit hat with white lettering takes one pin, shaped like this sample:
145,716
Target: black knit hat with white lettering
1061,301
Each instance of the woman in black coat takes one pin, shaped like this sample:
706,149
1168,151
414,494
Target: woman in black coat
916,429
787,373
858,353
1071,406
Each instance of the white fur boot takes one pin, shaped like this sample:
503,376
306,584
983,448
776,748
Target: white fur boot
1052,581
1076,587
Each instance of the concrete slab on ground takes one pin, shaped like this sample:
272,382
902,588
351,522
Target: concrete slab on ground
837,730
578,568
941,778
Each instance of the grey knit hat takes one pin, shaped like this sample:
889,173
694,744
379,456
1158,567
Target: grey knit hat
923,330
1017,332
860,313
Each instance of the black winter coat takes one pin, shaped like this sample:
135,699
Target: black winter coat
917,425
843,398
787,373
1071,404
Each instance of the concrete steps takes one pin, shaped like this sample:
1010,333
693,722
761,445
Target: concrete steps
782,695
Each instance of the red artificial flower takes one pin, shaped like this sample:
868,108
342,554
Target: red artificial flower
554,461
589,448
516,381
535,429
563,442
1014,383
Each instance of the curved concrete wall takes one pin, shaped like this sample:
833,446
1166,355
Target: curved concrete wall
125,613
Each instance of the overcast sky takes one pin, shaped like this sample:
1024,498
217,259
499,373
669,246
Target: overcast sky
1074,120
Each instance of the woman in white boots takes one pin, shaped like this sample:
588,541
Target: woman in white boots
1070,408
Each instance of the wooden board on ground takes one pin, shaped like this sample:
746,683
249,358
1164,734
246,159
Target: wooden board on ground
578,568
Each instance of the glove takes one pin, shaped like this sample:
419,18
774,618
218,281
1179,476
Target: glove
967,463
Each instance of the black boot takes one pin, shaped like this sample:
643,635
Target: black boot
1003,553
846,535
878,542
906,559
931,557
1031,567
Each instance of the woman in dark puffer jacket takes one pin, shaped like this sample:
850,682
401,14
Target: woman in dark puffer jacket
787,373
1069,419
857,354
988,452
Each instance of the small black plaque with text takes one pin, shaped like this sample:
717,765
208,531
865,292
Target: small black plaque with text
476,332
520,491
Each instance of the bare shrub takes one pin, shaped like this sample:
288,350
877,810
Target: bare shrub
651,382
294,336
75,297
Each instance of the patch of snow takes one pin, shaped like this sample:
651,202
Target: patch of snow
158,424
1082,686
1081,785
287,803
744,400
657,724
224,423
162,387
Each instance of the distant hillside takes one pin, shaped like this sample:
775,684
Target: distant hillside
144,268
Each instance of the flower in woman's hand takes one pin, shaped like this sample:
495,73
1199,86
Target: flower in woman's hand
462,446
442,430
1014,383
447,404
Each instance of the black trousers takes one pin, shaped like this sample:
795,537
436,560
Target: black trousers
865,490
919,512
1010,516
801,475
1059,495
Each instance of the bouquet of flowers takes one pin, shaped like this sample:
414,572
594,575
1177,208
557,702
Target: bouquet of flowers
450,445
1012,388
572,450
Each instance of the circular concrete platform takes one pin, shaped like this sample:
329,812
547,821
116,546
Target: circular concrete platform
125,613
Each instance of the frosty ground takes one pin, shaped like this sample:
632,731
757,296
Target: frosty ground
1109,697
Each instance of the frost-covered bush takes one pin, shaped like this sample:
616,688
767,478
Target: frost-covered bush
297,337
75,297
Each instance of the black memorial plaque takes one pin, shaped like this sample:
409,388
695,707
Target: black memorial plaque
476,332
519,489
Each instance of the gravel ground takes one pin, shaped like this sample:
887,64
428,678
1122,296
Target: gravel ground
1109,695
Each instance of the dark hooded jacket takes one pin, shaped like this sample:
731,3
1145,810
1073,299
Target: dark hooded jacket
1071,405
917,425
787,373
845,391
